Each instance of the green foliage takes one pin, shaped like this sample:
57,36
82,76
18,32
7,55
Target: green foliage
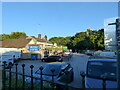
91,39
13,35
60,40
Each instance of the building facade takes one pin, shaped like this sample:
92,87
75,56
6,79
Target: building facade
32,47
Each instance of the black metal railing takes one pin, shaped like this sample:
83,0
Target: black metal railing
103,78
12,79
10,76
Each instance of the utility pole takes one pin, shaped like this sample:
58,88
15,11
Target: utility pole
117,23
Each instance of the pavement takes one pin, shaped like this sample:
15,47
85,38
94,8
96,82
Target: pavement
79,63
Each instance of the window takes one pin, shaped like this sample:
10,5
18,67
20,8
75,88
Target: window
97,69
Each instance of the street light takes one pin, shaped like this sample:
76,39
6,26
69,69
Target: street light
117,23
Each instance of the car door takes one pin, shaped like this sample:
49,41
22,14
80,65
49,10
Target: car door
65,75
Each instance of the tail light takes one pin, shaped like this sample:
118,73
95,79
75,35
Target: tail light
60,59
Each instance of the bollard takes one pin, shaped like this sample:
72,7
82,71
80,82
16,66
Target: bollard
23,77
41,84
83,79
104,82
32,77
16,76
52,70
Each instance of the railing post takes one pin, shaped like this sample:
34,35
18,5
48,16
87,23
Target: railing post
83,79
32,77
41,84
4,75
16,76
104,82
10,66
52,70
23,77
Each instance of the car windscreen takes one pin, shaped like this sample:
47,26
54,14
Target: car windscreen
48,68
98,69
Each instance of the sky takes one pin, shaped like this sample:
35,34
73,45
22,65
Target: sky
55,19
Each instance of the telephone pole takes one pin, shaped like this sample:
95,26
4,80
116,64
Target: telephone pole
117,23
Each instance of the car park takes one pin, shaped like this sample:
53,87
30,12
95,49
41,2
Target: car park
97,68
53,58
63,73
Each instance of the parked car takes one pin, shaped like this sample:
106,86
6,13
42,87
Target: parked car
53,58
111,54
7,58
67,53
98,68
63,73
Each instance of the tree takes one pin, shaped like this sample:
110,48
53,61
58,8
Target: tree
16,35
91,39
13,35
60,40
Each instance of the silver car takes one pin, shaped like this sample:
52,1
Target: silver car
96,69
63,73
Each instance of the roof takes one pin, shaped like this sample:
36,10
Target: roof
43,40
15,43
19,43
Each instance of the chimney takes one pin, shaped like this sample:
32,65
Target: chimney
39,36
45,37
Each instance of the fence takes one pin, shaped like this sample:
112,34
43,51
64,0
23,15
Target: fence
14,80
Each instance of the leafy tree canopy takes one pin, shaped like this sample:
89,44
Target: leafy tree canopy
91,39
13,35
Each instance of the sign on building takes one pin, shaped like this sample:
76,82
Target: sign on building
110,34
34,48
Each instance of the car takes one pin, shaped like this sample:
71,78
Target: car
53,58
6,58
67,53
63,73
111,54
98,68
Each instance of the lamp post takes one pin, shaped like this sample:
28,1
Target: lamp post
117,23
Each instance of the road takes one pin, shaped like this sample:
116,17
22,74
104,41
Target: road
78,62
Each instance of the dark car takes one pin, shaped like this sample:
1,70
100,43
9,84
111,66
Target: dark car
53,58
90,53
63,73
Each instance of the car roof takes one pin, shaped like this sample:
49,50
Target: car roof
104,60
102,57
55,55
57,63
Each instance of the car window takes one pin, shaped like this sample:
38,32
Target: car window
97,69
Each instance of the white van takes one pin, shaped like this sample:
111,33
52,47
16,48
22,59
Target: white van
96,68
7,58
107,54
